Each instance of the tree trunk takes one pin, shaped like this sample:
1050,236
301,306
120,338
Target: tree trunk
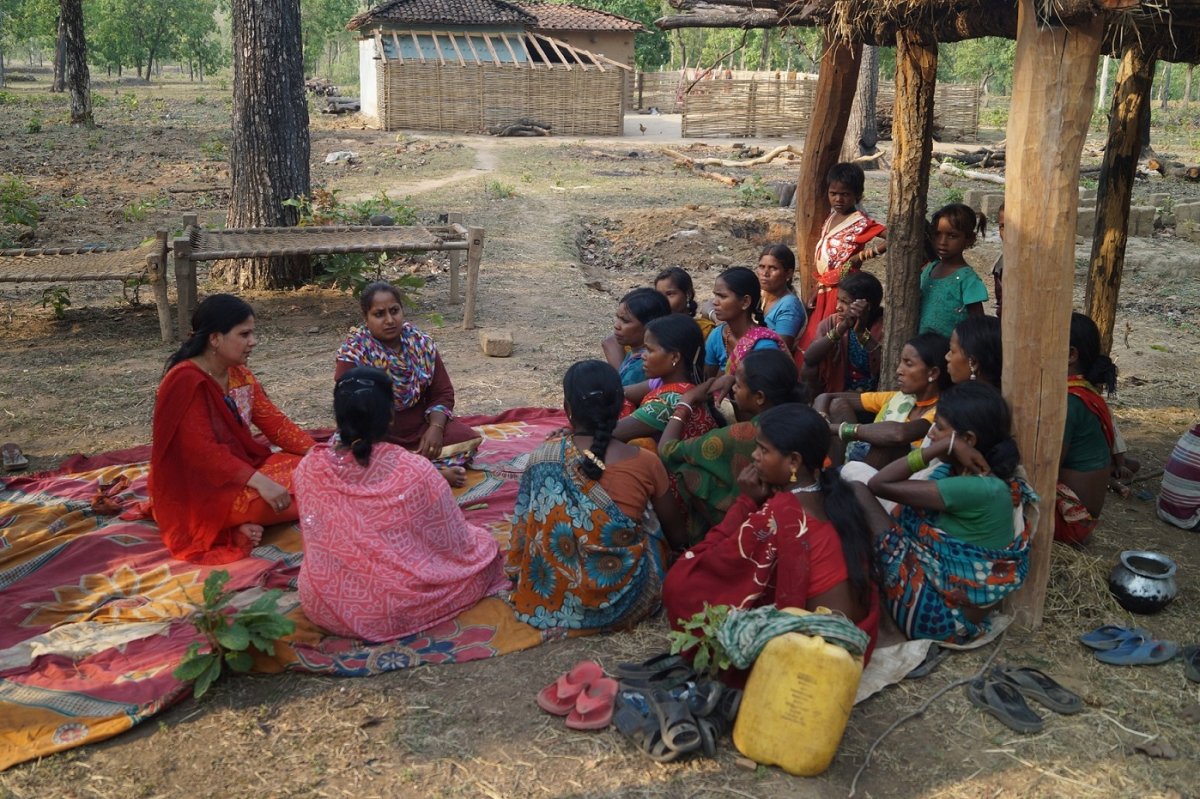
1054,78
862,131
912,145
826,130
60,57
3,80
270,148
1144,124
1165,93
78,78
1187,85
1117,172
764,51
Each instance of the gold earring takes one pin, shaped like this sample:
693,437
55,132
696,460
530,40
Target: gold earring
793,474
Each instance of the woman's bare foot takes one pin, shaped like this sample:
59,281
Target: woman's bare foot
456,476
252,531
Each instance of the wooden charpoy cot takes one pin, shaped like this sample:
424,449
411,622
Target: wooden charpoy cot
212,244
95,262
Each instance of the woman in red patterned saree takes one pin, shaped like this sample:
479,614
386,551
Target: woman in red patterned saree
213,486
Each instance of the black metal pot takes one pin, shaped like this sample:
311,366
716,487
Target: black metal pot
1143,581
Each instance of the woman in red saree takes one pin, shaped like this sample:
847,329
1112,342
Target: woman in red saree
1088,436
213,486
841,248
671,362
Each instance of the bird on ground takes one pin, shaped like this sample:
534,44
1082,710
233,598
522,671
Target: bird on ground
642,128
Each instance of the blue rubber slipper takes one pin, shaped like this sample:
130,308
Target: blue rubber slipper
1110,636
1138,651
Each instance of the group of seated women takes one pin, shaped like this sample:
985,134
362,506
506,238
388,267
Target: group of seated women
693,468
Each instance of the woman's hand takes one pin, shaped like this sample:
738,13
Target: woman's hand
272,493
856,311
431,441
698,394
969,459
752,485
720,387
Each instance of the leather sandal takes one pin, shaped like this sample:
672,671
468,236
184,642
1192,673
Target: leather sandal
1005,703
1043,689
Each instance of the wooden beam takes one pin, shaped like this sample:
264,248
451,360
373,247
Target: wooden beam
566,62
533,40
471,45
1054,81
912,145
396,41
488,41
1117,172
474,256
826,129
509,47
417,44
457,52
437,47
378,34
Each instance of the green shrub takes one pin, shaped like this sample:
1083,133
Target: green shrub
499,191
17,204
34,125
755,193
58,298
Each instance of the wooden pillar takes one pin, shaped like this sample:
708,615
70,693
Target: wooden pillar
474,256
157,264
826,130
454,219
912,144
1054,80
1117,172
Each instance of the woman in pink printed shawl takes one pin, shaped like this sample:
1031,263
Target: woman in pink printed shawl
387,552
423,397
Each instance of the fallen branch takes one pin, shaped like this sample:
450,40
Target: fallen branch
691,164
950,169
733,162
872,158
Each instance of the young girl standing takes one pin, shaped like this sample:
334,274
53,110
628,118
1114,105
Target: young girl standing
842,246
950,289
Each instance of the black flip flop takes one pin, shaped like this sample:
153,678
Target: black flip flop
1038,686
643,731
1191,662
933,658
679,730
1005,703
662,671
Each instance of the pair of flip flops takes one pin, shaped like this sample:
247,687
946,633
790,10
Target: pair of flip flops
584,695
664,671
1124,646
668,724
1003,691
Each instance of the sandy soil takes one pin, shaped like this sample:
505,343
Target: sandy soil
588,219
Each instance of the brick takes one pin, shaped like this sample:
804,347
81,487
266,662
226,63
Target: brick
1085,225
1141,220
974,198
991,205
496,343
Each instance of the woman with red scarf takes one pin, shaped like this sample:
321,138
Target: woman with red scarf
213,486
1088,436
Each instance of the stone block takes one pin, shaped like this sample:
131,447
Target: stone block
1189,230
496,343
1085,225
991,205
1087,196
974,198
1141,220
1160,200
1187,212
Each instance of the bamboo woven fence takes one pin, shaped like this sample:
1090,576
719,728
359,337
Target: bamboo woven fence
472,98
775,104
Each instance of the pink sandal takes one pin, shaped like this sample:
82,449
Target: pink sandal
594,708
558,698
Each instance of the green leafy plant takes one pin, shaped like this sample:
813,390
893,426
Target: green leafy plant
952,196
34,125
755,193
700,633
8,98
229,636
58,298
138,210
499,190
17,204
213,149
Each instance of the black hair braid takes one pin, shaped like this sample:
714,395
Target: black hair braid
600,438
854,533
1003,458
361,450
1103,373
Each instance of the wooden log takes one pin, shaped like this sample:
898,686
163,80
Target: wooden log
951,169
1115,189
912,134
1192,173
455,218
1054,79
766,158
474,256
691,164
834,95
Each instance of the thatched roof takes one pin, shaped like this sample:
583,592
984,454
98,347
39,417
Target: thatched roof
1172,27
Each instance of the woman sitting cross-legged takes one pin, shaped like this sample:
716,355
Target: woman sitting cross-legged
593,517
796,537
213,486
705,469
901,418
672,365
956,543
387,552
423,421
